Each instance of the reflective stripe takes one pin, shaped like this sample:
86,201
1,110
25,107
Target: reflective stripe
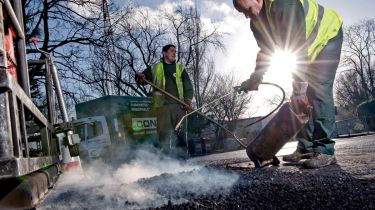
153,72
314,32
306,7
180,87
322,24
158,75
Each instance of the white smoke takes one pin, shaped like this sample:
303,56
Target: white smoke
150,180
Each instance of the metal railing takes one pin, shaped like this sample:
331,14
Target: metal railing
362,125
27,143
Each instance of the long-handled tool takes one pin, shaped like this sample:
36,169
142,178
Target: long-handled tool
196,110
237,89
262,150
200,113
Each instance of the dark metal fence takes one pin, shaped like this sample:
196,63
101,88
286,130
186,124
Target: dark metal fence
362,125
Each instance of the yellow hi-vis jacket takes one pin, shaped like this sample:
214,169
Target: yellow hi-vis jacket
158,78
322,24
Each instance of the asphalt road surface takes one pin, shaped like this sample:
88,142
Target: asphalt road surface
230,181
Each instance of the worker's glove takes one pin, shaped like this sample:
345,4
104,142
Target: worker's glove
252,83
299,93
140,78
299,99
189,106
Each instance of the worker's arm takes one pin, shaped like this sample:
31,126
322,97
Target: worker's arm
262,61
289,20
188,87
265,53
146,74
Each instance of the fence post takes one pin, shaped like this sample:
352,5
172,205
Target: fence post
349,128
368,130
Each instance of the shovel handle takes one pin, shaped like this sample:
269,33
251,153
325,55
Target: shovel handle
166,93
200,113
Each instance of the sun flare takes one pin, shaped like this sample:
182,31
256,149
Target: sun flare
283,63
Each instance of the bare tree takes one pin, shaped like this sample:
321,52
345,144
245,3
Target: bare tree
98,55
232,107
228,110
194,41
67,30
135,43
142,39
356,83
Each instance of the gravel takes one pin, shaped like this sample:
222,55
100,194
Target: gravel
274,188
348,185
234,183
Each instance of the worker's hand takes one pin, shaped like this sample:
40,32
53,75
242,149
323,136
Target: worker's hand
140,78
252,83
300,104
299,97
189,106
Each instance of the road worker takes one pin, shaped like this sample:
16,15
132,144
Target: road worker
172,77
314,34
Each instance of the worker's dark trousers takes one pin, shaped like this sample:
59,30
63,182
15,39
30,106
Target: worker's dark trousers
171,142
316,137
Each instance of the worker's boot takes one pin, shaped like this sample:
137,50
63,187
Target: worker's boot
319,161
296,156
177,147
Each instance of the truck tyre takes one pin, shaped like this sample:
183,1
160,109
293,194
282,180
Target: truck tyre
74,150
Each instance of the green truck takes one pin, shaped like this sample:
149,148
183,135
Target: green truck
111,122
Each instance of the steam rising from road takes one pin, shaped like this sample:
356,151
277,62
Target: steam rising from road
149,180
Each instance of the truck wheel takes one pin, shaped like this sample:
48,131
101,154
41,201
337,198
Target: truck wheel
74,150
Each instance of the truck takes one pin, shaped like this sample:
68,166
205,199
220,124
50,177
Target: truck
32,156
112,123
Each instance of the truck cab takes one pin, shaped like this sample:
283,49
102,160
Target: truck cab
110,125
94,135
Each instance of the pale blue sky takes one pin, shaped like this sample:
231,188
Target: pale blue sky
351,10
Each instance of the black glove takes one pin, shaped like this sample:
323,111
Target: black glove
189,106
140,78
252,83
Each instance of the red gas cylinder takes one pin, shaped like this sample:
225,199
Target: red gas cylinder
9,38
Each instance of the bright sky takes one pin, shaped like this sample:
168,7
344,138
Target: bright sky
241,48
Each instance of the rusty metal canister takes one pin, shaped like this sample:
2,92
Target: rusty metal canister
282,127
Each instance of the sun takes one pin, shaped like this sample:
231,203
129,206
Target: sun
283,60
283,63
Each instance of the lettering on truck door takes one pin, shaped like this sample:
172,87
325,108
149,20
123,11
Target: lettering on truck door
145,125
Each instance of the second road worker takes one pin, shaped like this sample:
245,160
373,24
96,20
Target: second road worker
172,77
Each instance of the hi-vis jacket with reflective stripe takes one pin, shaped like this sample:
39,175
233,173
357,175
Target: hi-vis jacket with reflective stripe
300,25
158,78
